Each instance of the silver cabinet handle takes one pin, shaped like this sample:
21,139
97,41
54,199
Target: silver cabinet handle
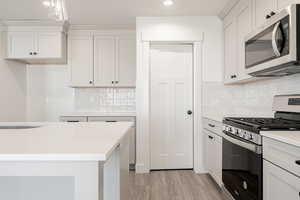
211,125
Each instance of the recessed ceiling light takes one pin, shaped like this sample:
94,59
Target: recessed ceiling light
168,3
47,3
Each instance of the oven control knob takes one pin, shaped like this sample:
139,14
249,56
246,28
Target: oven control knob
237,131
250,137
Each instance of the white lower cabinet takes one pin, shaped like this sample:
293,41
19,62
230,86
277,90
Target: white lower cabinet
213,156
132,142
279,184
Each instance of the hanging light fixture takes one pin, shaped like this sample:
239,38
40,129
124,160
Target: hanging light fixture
56,9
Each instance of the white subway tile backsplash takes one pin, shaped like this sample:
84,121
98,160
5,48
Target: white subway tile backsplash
105,99
249,100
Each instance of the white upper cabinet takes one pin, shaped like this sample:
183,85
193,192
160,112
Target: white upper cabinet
104,61
244,27
36,43
20,44
80,56
49,45
237,24
113,61
126,58
262,9
284,3
230,71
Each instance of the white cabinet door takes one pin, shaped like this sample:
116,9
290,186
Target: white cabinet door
214,156
21,44
104,61
262,9
81,60
284,3
209,152
230,71
126,62
49,45
279,184
244,27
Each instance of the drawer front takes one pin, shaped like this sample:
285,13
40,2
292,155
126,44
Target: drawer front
73,119
117,119
213,126
284,155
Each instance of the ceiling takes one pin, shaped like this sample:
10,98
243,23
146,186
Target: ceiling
110,12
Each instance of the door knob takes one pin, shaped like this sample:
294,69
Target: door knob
189,112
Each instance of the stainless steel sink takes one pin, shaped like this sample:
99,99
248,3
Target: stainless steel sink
18,127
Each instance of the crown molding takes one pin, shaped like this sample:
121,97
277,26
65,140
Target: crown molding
227,8
19,25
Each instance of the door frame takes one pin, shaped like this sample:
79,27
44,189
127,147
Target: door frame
143,104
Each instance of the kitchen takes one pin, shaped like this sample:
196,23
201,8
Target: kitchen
172,87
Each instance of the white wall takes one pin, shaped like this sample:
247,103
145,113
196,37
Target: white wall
12,87
207,32
189,29
49,96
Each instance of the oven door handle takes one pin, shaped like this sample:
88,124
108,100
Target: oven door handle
247,145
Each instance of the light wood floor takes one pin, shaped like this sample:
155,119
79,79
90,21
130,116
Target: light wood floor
173,185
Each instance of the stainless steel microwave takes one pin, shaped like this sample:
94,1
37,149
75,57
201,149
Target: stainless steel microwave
274,49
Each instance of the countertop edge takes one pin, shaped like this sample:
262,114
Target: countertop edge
280,138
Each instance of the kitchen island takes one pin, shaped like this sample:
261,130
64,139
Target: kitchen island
65,161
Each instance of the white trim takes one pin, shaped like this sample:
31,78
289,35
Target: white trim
143,106
35,25
198,139
90,32
227,8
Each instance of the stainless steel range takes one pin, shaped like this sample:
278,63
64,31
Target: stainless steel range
242,147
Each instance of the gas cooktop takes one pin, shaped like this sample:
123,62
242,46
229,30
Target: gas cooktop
265,123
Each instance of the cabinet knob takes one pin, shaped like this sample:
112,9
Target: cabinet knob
112,82
272,13
268,16
30,53
189,112
34,53
297,162
91,82
117,82
210,137
233,76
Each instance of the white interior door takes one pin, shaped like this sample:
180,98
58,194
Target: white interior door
171,98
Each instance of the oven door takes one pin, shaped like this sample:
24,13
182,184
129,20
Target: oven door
242,168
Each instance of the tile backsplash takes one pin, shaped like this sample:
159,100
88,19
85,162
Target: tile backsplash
248,100
105,99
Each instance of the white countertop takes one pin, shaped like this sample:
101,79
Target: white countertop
99,114
289,137
62,141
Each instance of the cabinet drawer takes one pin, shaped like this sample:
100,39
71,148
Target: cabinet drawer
213,126
117,119
283,155
73,119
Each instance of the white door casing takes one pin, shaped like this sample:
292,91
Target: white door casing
171,96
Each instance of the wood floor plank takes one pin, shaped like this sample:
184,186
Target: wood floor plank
173,185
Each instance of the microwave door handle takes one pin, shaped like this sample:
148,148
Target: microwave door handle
274,43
